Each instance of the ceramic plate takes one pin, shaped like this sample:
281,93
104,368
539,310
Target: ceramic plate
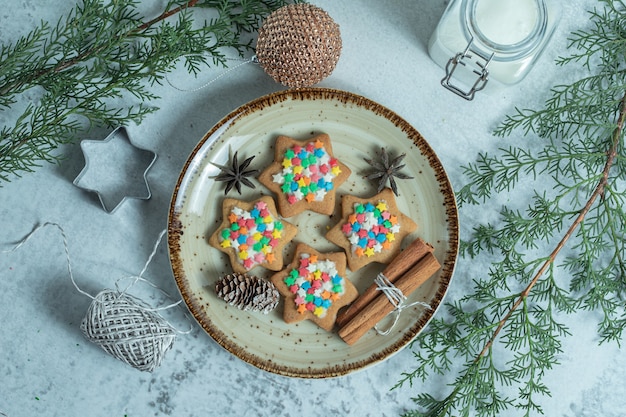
358,127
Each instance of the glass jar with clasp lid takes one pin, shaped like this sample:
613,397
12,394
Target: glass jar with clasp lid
490,41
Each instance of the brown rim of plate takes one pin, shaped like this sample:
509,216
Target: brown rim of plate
175,230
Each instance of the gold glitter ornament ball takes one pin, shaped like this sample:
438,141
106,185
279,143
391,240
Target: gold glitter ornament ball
299,45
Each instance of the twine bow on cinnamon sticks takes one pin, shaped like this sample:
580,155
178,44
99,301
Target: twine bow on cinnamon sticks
410,269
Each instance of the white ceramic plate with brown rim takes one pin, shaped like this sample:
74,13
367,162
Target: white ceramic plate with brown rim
358,127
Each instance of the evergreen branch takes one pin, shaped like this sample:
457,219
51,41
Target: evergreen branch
599,190
166,14
125,17
578,204
95,67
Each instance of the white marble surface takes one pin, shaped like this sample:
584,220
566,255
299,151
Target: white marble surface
47,367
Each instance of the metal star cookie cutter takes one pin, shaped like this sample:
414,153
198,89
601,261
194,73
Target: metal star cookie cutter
113,169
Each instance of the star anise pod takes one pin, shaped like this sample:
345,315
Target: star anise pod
235,174
386,170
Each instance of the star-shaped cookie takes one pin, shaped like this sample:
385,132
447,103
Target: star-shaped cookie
252,234
304,175
314,287
371,229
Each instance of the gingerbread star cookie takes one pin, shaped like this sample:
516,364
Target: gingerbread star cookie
252,234
314,287
371,229
304,175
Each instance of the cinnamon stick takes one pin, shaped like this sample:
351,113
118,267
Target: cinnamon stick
400,264
381,306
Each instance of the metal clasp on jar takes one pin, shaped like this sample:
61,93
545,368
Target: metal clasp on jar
475,64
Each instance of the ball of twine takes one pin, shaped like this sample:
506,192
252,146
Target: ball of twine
122,325
298,45
128,329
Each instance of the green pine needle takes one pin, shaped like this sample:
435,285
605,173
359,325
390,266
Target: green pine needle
507,330
97,65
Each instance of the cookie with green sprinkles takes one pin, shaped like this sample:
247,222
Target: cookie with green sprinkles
371,229
314,287
252,234
304,175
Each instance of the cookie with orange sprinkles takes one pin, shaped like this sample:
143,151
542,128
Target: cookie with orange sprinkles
304,175
371,229
252,234
314,287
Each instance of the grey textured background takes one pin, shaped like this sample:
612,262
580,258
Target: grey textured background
47,368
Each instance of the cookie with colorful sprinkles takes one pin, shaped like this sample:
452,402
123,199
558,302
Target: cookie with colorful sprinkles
371,229
304,175
252,234
314,287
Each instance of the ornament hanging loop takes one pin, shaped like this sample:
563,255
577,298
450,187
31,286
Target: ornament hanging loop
242,62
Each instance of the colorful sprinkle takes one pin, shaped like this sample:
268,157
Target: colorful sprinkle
371,228
252,234
316,285
308,173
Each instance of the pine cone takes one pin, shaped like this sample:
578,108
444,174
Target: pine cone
248,293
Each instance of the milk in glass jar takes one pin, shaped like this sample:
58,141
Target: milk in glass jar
481,41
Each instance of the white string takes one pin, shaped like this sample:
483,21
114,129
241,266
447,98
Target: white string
243,61
395,297
136,278
65,247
